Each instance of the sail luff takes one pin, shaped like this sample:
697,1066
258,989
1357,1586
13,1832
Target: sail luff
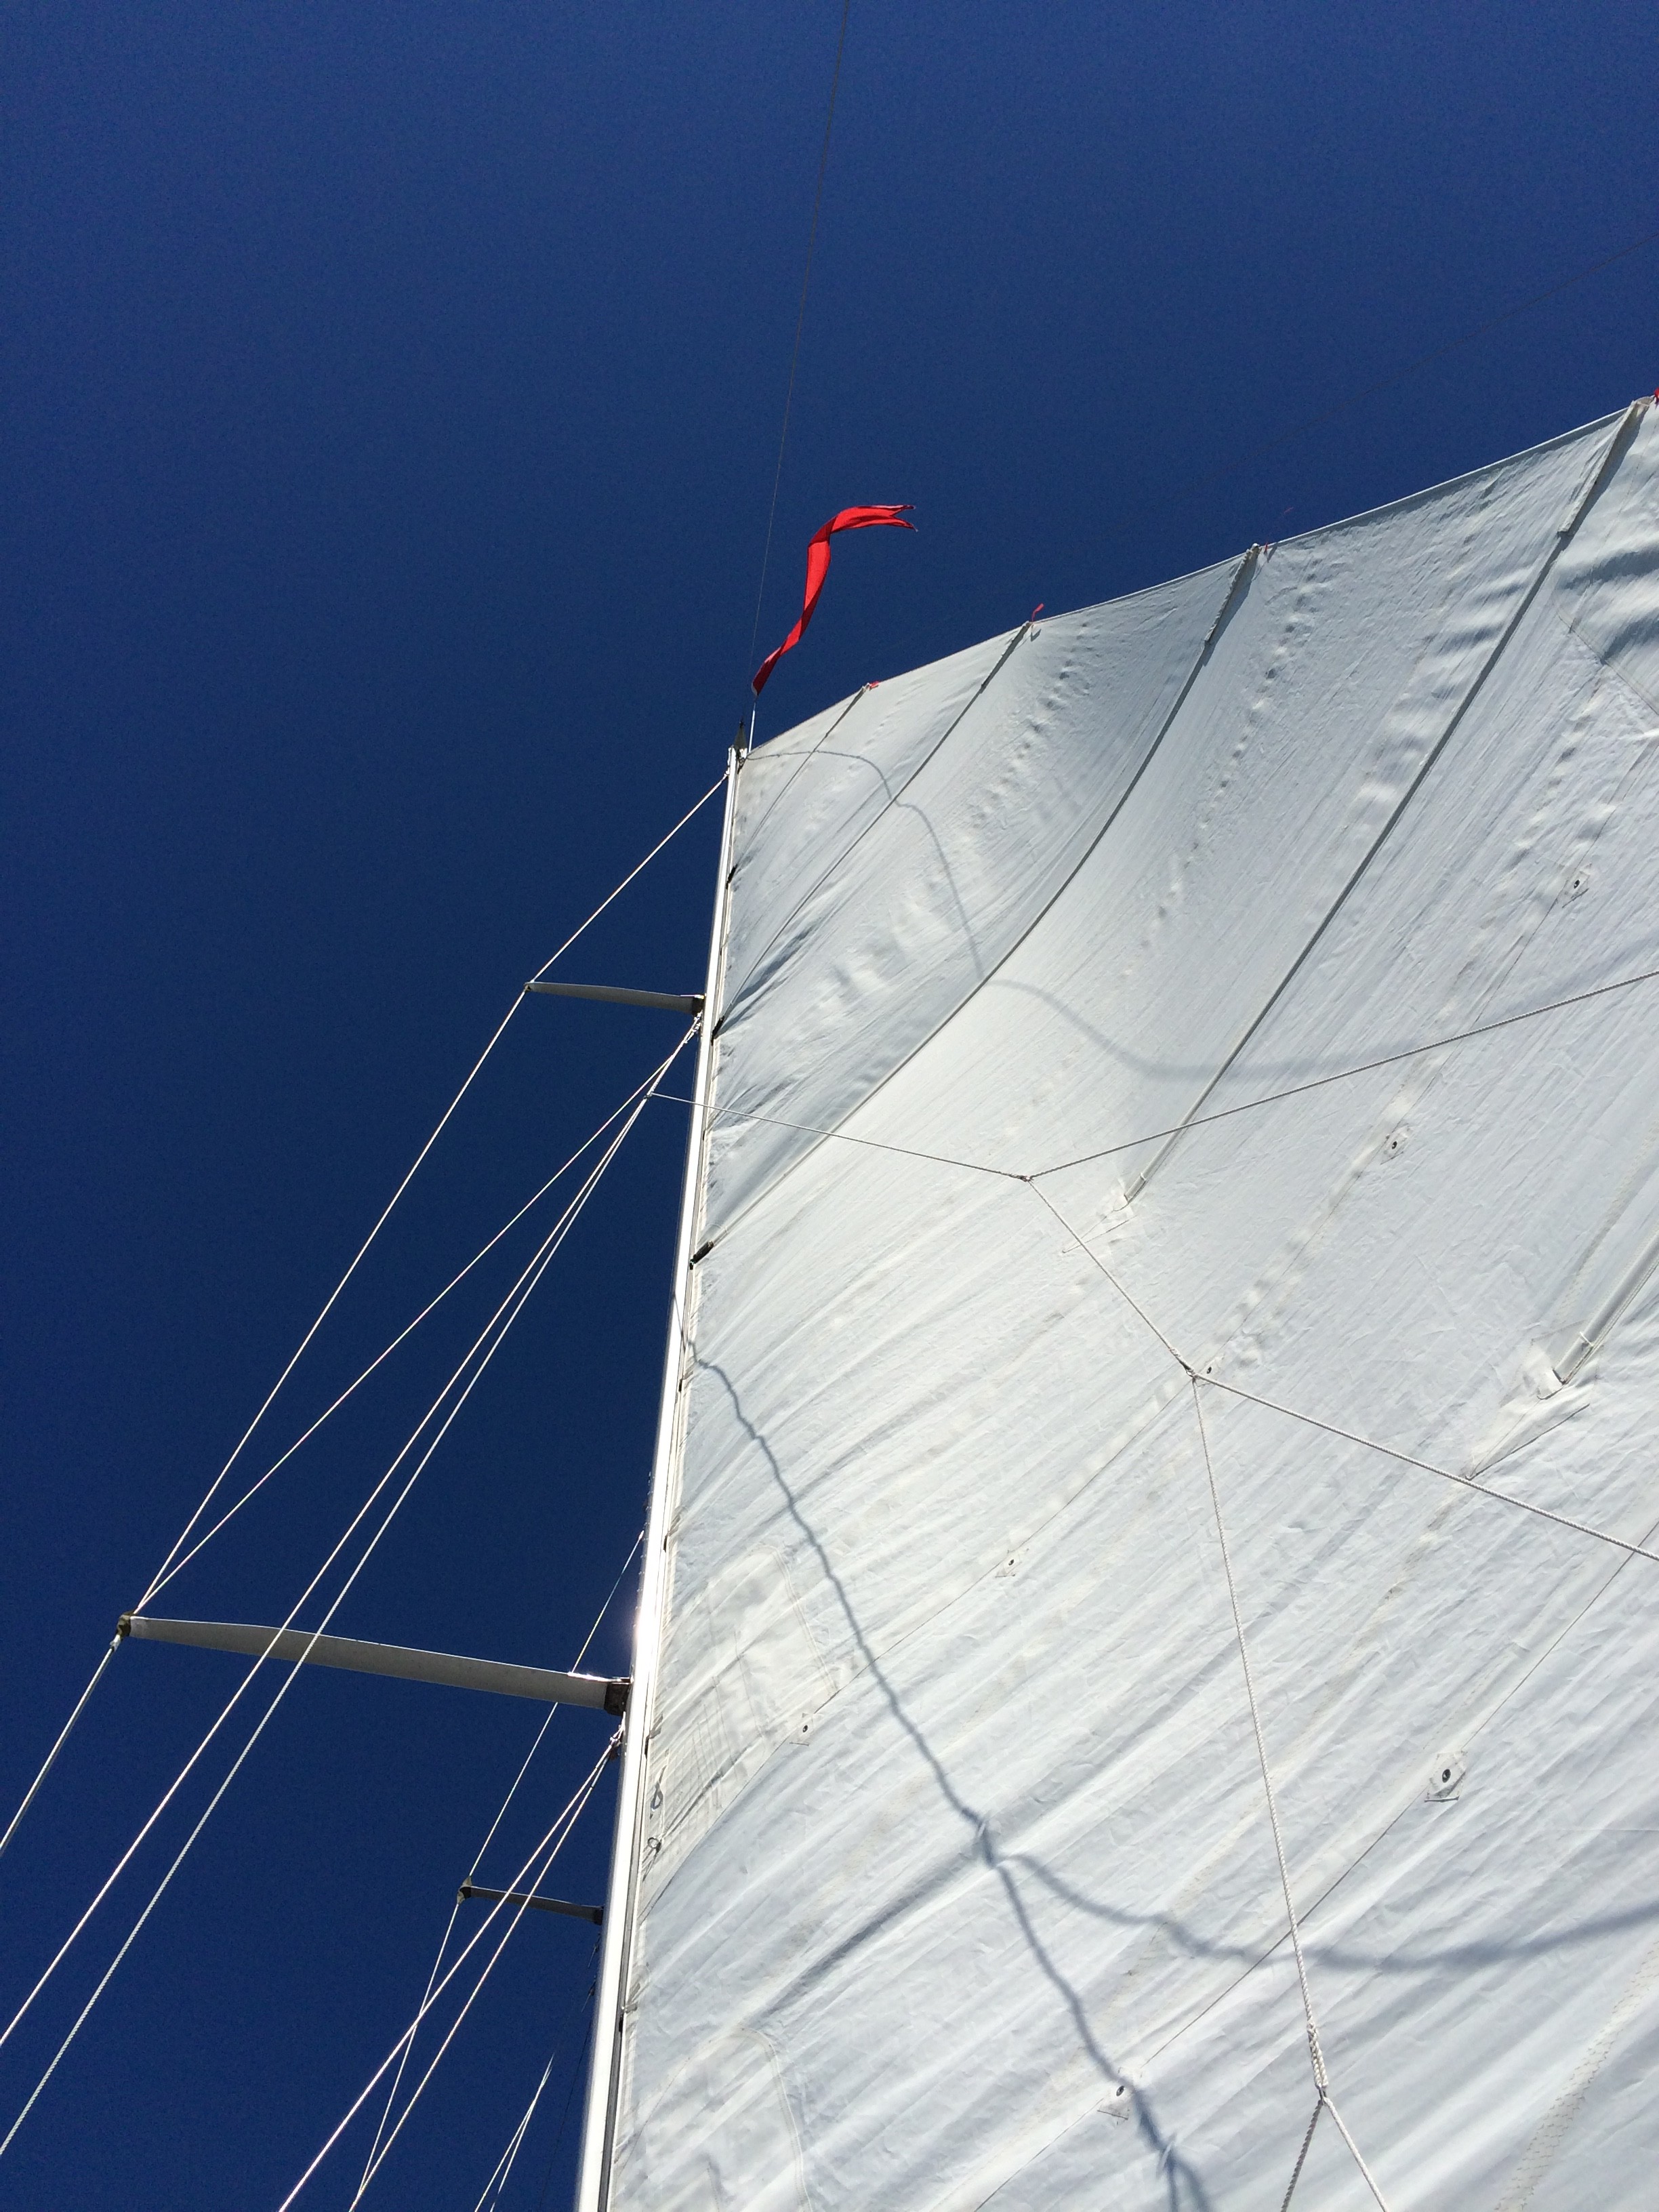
598,2125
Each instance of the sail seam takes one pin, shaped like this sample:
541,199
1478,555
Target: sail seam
1349,1435
1243,573
1344,1873
1345,1074
841,858
1242,576
1560,539
801,759
1468,1482
1197,1122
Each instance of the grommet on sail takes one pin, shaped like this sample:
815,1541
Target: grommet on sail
1174,1347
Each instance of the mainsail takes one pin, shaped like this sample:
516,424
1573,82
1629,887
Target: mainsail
1158,1534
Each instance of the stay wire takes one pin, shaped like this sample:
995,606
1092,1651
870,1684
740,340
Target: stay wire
504,2164
426,1994
170,1564
696,808
501,2173
800,325
478,1856
558,2132
526,1871
649,1087
538,1263
540,1876
510,1307
265,1717
327,1306
51,1758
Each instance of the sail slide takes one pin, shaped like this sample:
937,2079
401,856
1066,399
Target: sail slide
1172,1380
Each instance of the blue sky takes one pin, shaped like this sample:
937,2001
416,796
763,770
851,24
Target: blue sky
395,395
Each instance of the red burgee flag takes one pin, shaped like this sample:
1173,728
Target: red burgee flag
818,568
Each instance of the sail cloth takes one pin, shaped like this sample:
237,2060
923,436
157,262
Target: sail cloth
818,568
958,1886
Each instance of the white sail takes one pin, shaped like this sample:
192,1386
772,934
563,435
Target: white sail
1087,1179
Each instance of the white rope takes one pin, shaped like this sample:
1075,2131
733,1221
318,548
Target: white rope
1446,1475
1366,2175
583,1790
648,1086
1320,2081
172,1563
515,1299
1302,2156
478,1857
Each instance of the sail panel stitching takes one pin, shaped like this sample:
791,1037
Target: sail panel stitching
1362,1067
801,759
1467,1482
1560,538
1152,1136
1239,582
840,858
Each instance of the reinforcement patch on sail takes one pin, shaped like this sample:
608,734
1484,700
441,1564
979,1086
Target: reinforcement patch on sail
1185,1190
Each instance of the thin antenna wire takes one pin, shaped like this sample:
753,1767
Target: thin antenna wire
794,358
